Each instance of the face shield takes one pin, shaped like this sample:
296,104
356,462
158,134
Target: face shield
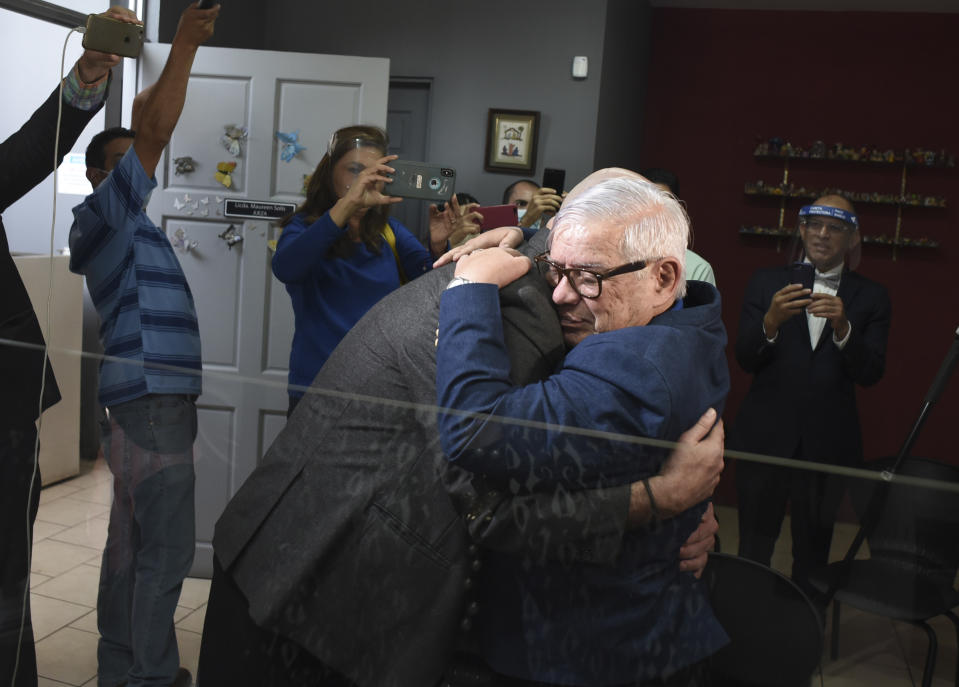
831,221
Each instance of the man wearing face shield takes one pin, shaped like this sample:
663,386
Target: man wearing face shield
807,349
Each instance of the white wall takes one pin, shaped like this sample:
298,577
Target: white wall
39,46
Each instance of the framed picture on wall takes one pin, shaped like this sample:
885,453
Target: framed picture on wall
511,137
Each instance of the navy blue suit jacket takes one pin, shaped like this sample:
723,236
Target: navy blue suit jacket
805,397
579,624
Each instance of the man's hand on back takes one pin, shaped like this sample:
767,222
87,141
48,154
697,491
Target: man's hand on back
500,266
691,473
695,552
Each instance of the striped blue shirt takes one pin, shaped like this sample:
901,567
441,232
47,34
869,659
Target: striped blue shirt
148,321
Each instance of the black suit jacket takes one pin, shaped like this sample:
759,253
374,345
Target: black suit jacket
26,160
802,396
353,536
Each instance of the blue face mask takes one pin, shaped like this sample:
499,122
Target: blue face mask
519,213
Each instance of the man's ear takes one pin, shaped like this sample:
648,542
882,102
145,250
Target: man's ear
667,275
92,176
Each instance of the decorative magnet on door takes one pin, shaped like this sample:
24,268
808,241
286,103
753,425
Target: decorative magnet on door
232,135
182,242
224,172
231,236
291,146
184,165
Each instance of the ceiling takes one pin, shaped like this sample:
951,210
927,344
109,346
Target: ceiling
818,5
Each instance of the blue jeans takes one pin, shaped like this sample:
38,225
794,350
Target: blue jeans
150,542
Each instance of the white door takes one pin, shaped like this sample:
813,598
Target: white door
246,322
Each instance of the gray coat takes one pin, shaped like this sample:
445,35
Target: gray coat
355,538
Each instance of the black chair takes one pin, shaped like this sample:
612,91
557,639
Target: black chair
914,553
775,631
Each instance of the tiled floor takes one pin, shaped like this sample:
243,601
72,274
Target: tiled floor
69,535
72,528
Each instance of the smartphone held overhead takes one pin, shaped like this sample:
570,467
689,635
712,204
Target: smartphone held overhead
113,36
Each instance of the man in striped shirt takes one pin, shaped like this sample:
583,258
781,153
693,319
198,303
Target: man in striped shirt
149,379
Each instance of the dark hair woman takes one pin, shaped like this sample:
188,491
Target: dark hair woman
340,252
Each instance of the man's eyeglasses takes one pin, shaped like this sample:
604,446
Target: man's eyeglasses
586,283
817,225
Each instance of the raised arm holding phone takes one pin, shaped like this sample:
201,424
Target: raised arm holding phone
29,387
148,315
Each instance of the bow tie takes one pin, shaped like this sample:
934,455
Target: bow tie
830,281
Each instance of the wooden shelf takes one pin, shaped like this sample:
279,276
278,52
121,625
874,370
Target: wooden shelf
880,240
911,157
781,233
914,200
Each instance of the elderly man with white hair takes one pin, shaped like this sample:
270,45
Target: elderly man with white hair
646,359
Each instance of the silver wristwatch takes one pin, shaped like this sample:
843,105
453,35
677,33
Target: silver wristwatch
458,281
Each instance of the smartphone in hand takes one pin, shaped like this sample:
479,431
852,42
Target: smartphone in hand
421,180
554,179
113,36
802,273
495,216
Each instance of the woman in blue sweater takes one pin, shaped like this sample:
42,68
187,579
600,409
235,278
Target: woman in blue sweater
340,252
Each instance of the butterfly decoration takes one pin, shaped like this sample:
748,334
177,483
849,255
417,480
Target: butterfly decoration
184,165
178,204
182,242
291,148
232,135
231,236
224,171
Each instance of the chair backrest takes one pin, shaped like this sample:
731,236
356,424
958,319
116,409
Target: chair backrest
915,524
776,635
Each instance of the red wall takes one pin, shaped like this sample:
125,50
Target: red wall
722,80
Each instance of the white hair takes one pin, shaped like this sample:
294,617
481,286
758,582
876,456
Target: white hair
654,223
